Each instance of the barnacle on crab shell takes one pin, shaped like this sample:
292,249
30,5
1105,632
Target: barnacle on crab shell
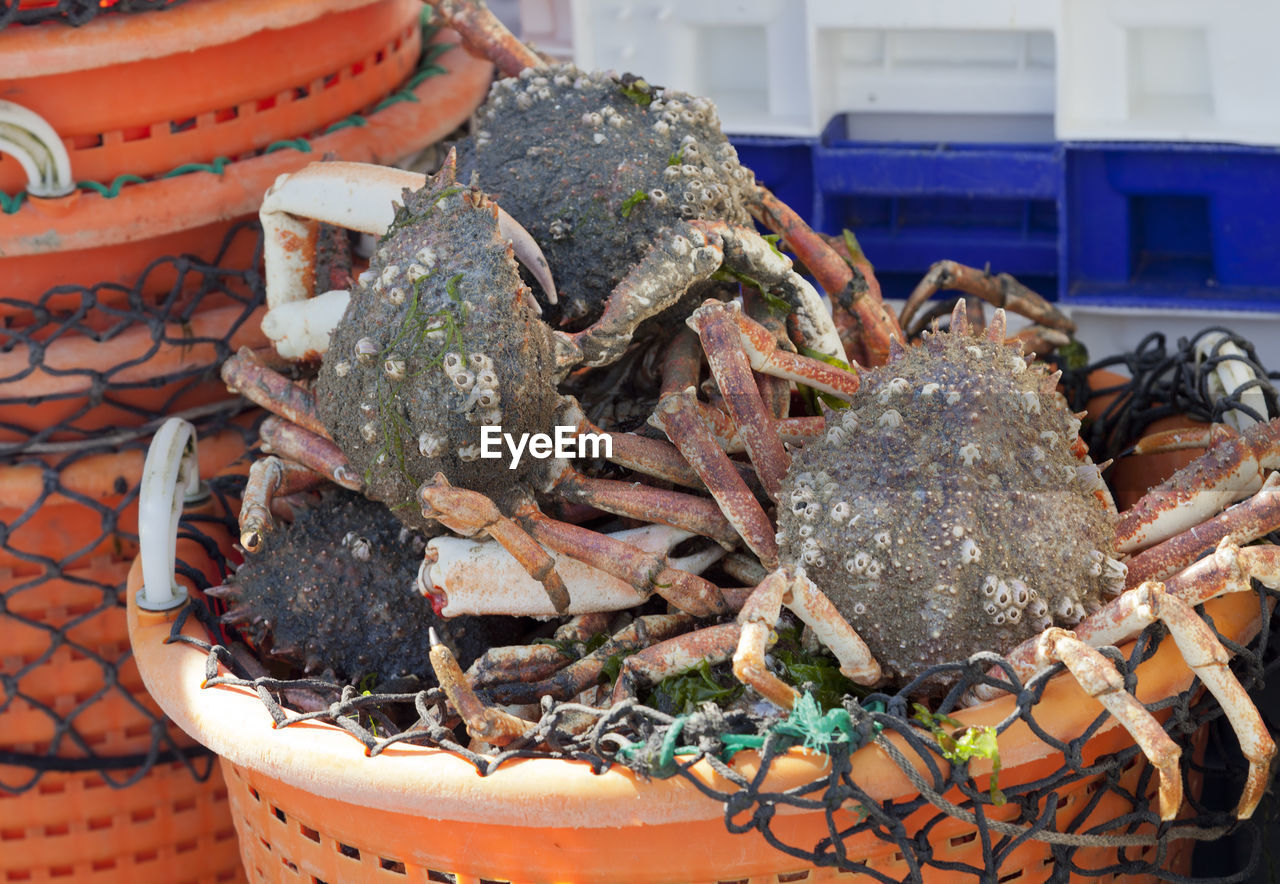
334,591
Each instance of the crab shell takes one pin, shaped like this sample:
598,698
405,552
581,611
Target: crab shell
944,512
440,339
295,600
596,167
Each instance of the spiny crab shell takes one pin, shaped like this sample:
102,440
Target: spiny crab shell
295,599
440,338
945,511
596,166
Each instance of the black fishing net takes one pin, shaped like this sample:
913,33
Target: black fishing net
77,362
72,12
1091,815
74,435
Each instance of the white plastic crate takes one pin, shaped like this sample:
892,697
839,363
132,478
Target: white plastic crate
1169,70
984,68
547,25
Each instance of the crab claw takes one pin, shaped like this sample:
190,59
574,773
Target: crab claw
353,196
464,576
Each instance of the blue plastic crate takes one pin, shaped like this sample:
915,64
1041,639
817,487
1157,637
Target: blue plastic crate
913,204
1171,225
1125,225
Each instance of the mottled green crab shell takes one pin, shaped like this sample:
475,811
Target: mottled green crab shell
439,340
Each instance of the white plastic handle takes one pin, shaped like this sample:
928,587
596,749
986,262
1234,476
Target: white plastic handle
38,149
170,477
1230,375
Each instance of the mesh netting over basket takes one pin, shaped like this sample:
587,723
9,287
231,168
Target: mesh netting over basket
1094,810
72,12
71,699
77,361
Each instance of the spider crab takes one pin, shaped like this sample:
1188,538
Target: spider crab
952,508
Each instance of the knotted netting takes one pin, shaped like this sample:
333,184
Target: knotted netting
90,373
1090,811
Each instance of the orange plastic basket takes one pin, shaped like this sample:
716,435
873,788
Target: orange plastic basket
309,805
128,98
76,696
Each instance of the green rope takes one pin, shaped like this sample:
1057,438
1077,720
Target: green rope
11,204
113,189
345,122
216,165
807,725
301,145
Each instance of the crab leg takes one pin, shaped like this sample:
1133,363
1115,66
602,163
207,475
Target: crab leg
464,576
469,513
1100,680
483,722
575,678
697,514
694,254
651,457
1001,291
1206,656
759,615
776,392
482,31
677,416
644,571
756,425
851,283
270,477
735,344
748,253
1232,468
791,430
290,441
1242,523
245,374
1229,569
764,356
536,661
714,644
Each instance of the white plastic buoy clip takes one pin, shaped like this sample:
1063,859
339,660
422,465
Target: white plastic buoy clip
26,136
1229,376
170,478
